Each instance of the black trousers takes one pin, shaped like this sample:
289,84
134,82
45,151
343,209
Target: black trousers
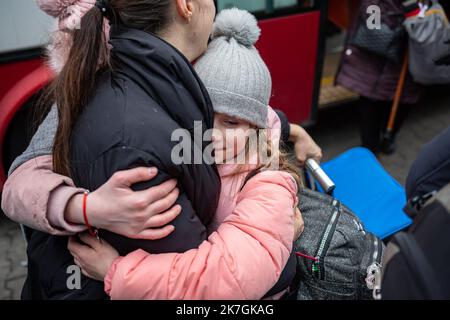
374,117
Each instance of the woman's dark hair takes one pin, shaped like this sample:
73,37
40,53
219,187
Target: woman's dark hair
88,56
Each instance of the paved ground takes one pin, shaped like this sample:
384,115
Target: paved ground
336,131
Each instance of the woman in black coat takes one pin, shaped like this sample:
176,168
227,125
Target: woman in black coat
121,116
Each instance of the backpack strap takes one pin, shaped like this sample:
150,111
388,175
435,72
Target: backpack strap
248,177
416,204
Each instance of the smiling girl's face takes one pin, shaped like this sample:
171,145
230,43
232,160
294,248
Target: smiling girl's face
230,137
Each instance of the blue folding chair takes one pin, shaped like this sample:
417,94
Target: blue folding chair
365,187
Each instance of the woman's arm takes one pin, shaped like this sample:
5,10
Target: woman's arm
242,260
42,142
37,197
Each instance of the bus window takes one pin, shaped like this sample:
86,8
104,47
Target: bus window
252,6
22,26
262,8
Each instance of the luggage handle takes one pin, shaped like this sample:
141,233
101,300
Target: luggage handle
322,178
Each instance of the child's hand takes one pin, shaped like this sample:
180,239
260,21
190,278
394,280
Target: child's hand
116,207
299,224
94,257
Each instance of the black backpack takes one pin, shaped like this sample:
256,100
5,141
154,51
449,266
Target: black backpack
336,257
417,262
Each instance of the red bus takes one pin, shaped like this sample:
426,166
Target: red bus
292,44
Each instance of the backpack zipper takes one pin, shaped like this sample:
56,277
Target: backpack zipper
380,251
317,268
373,279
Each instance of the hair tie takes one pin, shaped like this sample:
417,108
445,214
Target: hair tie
104,7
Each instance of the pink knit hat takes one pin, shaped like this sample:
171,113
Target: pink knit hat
69,14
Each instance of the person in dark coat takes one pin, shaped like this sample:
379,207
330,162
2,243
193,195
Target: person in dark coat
121,115
375,78
417,266
431,169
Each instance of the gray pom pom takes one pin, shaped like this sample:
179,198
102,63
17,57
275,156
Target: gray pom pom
238,24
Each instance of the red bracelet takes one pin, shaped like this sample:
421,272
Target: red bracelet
91,230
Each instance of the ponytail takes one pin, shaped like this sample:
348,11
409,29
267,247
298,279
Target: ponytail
75,84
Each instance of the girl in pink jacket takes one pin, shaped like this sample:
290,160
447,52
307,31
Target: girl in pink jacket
251,237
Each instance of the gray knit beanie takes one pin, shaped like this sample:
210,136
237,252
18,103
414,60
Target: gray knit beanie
232,70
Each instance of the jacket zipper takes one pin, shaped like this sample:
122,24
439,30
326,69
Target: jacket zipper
318,268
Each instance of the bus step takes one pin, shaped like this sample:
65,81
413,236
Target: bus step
331,95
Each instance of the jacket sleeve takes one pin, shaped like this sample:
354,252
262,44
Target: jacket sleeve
285,126
35,196
243,259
